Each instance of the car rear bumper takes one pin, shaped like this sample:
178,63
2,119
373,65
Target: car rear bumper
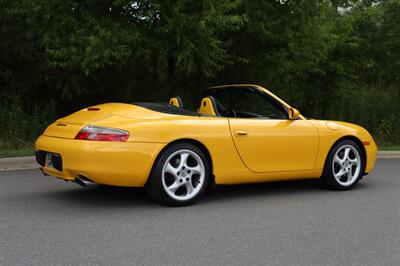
109,163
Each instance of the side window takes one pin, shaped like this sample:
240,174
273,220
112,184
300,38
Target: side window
248,103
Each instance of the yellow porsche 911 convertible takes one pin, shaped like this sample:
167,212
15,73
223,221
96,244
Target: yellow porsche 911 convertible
240,134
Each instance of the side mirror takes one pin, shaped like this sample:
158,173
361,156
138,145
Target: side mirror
293,113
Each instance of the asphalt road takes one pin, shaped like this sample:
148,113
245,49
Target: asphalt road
47,221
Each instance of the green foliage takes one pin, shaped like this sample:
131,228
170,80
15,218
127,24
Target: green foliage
333,59
19,128
14,122
28,150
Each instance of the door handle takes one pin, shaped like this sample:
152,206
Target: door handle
240,133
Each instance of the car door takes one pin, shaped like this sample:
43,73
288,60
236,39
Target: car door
266,140
272,145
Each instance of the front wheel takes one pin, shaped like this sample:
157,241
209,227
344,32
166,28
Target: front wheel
180,175
344,166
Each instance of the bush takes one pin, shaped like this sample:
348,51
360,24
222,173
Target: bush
20,127
373,108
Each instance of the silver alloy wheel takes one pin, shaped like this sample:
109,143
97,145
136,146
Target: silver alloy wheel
346,165
183,175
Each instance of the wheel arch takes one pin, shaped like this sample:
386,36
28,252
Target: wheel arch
356,140
194,142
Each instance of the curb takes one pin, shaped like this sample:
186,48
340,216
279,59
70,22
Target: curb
29,162
388,155
18,163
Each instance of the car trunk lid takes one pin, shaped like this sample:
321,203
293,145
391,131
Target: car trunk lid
69,126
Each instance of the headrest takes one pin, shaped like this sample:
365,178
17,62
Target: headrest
208,106
176,101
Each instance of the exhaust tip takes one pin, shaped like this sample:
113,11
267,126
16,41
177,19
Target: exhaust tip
83,181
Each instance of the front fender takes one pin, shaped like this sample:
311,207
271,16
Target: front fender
332,131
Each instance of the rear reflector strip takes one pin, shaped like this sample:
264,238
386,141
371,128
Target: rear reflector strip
366,143
93,109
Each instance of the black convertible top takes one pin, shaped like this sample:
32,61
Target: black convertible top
167,108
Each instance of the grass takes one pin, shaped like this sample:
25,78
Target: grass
389,148
25,151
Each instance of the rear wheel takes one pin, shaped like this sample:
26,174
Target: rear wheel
179,176
344,166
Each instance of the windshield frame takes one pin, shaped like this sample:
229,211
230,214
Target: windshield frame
259,91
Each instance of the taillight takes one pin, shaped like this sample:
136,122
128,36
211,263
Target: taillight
102,134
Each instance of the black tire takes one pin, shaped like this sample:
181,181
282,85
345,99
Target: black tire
155,187
328,179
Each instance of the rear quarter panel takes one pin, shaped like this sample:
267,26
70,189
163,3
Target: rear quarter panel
212,132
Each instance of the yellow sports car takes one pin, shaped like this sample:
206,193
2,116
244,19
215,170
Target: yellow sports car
239,134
